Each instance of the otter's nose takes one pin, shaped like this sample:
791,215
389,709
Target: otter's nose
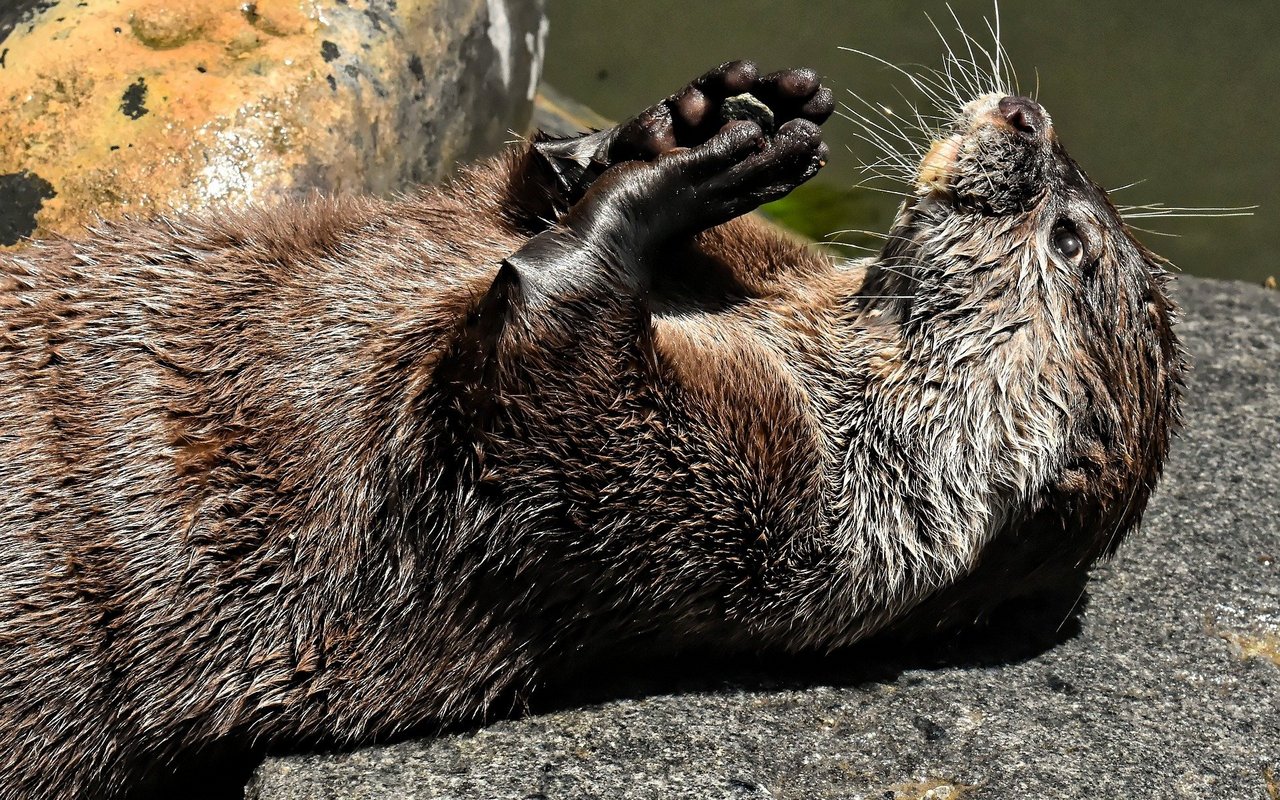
1024,114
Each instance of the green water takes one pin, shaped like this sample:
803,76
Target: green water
1180,95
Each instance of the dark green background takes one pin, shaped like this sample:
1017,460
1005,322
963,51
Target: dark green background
1179,94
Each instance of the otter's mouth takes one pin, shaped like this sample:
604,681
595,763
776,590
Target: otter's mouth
934,175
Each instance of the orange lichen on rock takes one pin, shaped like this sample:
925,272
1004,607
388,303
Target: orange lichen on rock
130,105
118,104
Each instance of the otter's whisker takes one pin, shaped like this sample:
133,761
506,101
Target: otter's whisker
850,245
1163,207
1138,182
886,113
874,234
928,131
869,123
891,158
915,80
1157,233
874,172
970,43
980,83
885,168
1160,210
938,81
1193,215
969,87
870,188
871,137
867,182
1004,63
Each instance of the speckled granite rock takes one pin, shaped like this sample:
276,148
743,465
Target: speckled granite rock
1170,688
109,106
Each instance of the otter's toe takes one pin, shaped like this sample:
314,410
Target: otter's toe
796,94
728,79
645,136
791,157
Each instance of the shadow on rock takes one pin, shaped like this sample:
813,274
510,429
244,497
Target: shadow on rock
1011,633
1014,632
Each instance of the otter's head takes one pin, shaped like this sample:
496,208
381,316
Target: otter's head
1019,294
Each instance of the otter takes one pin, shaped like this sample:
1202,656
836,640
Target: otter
324,473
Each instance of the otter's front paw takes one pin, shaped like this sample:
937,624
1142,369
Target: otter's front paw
642,206
689,118
731,179
731,91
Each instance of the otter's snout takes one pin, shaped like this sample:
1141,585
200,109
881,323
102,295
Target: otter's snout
1023,114
995,155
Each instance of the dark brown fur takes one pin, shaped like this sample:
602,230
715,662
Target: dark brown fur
269,478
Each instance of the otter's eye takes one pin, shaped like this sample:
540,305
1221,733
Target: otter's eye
1067,242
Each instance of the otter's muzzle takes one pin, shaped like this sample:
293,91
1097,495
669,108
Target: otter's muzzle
1022,114
1019,116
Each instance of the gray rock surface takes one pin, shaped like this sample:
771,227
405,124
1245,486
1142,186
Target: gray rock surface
1168,686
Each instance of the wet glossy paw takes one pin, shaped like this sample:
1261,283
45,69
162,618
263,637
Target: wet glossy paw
696,113
767,171
687,190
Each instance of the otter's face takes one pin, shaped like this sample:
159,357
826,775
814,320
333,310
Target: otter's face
1012,268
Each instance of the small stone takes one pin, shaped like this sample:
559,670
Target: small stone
747,107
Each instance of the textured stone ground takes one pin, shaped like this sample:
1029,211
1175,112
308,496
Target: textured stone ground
1168,686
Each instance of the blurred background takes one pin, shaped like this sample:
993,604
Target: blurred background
1177,95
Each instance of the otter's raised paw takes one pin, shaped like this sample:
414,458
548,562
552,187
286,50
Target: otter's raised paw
778,164
732,91
691,117
644,205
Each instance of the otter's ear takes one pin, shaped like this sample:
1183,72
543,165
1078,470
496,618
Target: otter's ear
469,372
486,322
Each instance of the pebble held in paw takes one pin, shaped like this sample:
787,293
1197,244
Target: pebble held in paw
332,471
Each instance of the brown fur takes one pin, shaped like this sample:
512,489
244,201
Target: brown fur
257,490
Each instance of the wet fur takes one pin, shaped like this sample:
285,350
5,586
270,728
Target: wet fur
322,474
